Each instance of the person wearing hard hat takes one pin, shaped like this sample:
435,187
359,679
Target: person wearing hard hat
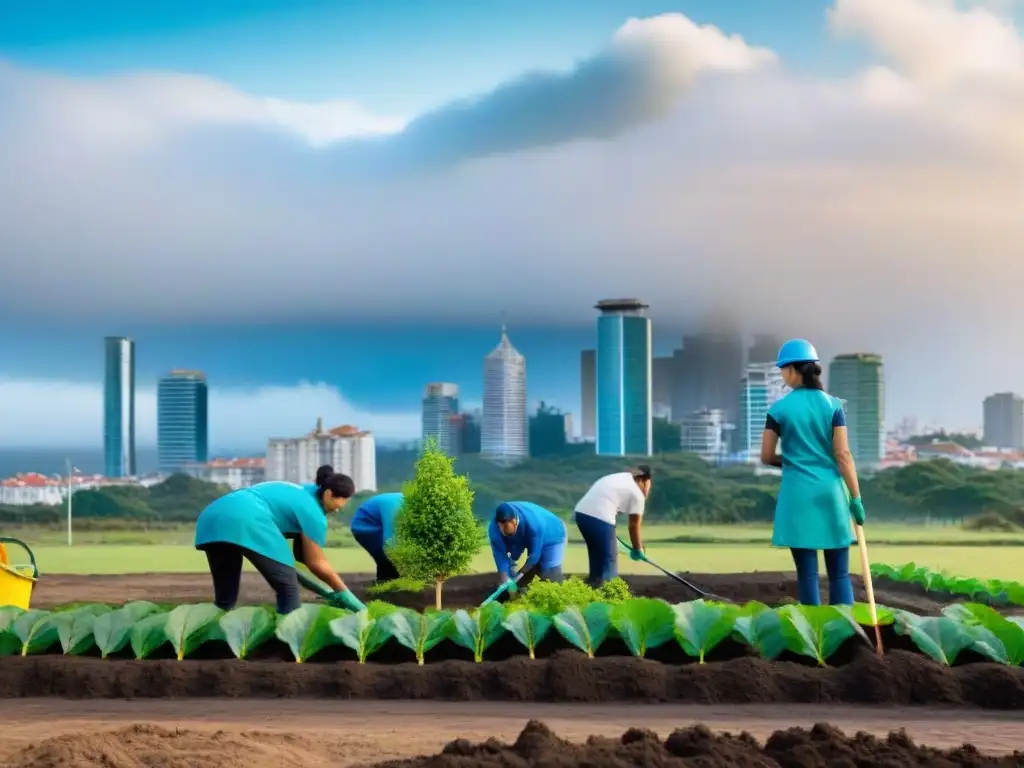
819,492
373,528
597,513
521,526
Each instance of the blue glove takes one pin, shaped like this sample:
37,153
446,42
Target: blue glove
637,554
857,510
345,599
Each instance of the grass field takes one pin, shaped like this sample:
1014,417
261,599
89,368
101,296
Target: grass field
986,562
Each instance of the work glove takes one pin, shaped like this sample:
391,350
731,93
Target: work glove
512,586
345,599
857,510
637,554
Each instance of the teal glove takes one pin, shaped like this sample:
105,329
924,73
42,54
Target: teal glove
511,586
637,554
857,510
345,599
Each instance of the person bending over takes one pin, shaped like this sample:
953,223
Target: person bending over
596,515
373,528
521,526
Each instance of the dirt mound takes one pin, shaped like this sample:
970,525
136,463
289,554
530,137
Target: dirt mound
772,588
150,746
698,747
900,677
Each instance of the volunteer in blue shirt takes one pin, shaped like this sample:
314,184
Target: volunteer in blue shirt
373,528
814,508
597,513
255,523
521,526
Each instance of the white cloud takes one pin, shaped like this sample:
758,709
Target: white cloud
679,164
64,413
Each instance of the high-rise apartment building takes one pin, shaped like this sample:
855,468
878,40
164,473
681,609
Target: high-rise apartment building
440,407
859,380
588,394
119,407
662,370
759,389
182,431
707,371
623,365
505,429
1004,420
703,433
349,450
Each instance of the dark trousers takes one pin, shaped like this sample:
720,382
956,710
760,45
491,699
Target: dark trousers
226,569
602,550
374,546
837,566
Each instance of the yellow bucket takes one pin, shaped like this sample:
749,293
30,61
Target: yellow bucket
16,581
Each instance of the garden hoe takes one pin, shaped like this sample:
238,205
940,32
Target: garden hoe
865,566
697,590
506,585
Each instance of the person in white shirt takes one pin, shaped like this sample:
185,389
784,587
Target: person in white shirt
597,512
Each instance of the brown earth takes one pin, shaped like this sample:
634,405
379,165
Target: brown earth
461,592
190,733
857,676
698,747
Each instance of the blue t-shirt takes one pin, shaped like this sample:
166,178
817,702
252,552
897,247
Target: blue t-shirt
538,528
262,518
812,511
376,516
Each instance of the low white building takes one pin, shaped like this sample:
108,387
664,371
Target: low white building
234,473
703,433
31,488
346,448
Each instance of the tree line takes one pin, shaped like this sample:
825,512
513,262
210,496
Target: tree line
685,489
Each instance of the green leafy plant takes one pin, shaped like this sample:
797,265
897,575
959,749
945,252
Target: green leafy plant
149,635
528,627
307,630
112,630
366,631
189,626
9,642
643,623
700,626
401,584
613,591
419,632
436,533
477,630
997,591
246,629
552,597
817,631
35,630
763,629
940,637
75,627
586,628
996,636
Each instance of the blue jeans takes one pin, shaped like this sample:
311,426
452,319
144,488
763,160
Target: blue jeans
373,543
602,549
837,565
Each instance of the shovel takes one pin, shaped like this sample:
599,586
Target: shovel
675,576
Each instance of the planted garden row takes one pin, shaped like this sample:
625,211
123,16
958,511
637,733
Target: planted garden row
991,591
642,624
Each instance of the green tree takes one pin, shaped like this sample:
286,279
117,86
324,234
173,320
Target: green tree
436,534
665,436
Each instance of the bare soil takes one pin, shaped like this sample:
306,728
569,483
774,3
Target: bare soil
771,588
211,733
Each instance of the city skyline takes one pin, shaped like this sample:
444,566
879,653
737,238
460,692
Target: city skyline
844,171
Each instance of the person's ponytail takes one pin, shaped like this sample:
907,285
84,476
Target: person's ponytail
810,375
323,474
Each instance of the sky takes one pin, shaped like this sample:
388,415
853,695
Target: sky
256,172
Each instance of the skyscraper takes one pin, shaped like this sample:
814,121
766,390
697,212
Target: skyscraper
588,402
1004,420
504,431
759,389
662,374
182,431
119,407
623,365
440,406
859,380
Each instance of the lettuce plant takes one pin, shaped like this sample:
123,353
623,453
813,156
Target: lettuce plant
763,629
149,635
419,632
246,629
111,630
817,631
189,626
366,631
75,628
477,630
35,631
996,636
307,630
528,627
9,643
940,637
700,626
643,623
586,628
